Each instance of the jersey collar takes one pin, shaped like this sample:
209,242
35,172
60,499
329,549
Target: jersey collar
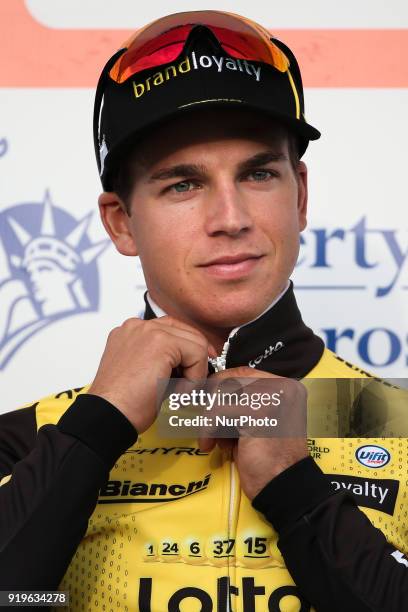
277,341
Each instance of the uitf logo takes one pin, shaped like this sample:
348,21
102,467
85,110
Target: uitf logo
373,456
47,270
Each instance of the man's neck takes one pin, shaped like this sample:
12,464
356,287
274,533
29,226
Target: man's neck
217,337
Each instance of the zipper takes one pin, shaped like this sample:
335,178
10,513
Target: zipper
232,495
219,363
230,517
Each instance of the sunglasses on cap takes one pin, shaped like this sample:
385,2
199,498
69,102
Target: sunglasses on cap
117,117
162,41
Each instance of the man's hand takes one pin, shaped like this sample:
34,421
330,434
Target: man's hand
138,354
259,460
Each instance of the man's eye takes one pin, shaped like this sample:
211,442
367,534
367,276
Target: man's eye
260,175
183,186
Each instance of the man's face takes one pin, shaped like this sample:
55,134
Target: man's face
216,212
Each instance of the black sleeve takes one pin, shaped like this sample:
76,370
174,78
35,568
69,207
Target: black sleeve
18,432
337,558
45,506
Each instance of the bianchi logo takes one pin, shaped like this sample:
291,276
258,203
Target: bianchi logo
47,271
126,491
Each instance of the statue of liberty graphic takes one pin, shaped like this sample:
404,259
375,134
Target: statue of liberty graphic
47,270
3,146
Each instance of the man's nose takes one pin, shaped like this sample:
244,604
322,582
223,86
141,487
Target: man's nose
226,211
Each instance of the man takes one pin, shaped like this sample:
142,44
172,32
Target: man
199,127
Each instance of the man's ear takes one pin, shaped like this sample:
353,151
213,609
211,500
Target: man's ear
302,195
117,222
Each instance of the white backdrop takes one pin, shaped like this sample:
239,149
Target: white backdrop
352,276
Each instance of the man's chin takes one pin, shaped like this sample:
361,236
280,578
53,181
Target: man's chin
230,315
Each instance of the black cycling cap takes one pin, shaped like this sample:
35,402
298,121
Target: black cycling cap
194,60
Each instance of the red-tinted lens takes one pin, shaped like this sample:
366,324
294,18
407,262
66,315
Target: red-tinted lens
155,52
162,42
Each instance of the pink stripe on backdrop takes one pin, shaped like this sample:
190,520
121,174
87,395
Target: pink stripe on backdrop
33,55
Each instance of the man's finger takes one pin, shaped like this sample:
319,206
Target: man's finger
185,330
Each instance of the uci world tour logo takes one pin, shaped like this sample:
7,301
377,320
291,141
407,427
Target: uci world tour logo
48,270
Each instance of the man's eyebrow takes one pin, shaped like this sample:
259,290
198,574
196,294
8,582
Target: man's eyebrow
193,170
261,159
180,170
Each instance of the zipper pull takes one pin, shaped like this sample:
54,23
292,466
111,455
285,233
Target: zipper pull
219,363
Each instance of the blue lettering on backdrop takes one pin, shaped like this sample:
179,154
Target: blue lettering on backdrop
362,238
321,243
392,343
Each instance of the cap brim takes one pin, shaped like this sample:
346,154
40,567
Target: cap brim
304,131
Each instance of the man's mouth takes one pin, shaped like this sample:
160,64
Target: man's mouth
232,266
